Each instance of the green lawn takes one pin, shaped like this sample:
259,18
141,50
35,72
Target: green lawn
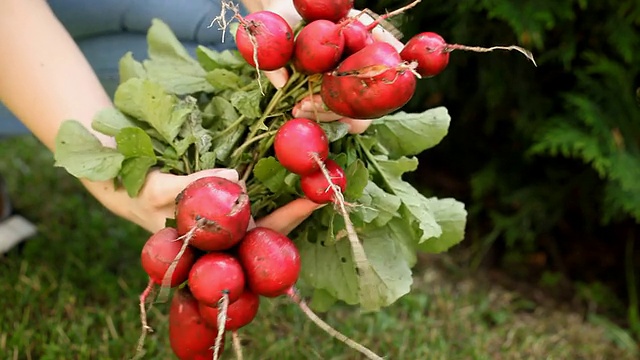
72,294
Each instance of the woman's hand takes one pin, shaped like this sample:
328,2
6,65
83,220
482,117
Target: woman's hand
156,202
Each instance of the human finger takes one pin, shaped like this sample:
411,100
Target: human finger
277,77
356,126
288,217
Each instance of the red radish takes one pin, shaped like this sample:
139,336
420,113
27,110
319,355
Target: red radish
332,10
318,47
429,50
295,143
369,84
240,313
272,264
356,37
265,40
215,273
190,337
215,210
159,252
316,186
270,260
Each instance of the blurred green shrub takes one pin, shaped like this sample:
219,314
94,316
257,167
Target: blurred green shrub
541,155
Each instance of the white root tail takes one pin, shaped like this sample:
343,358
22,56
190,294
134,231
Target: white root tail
528,54
223,306
292,294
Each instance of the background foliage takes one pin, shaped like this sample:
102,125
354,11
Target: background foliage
547,158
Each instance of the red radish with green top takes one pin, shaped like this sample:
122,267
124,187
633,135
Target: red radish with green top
369,84
215,211
239,314
265,40
316,187
190,337
318,47
159,252
296,144
215,274
332,10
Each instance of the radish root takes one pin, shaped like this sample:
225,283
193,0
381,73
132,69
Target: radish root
382,19
222,21
293,295
166,280
528,54
223,305
237,346
143,319
364,270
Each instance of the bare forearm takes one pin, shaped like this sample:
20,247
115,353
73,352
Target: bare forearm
45,80
44,77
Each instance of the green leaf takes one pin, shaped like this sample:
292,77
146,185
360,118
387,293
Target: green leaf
377,206
335,130
247,103
110,121
137,148
171,65
271,173
390,251
404,134
83,156
357,179
134,142
452,218
223,79
134,173
227,59
413,201
130,68
148,102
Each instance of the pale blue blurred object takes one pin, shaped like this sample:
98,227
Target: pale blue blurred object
105,30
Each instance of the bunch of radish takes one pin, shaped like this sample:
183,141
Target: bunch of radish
216,261
221,267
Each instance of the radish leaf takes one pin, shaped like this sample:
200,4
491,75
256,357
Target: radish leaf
452,218
147,101
415,204
83,156
405,134
170,64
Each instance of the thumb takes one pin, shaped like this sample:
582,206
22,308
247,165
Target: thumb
165,187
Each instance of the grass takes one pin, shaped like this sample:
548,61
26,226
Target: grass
71,293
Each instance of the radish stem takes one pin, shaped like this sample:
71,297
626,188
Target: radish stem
223,305
364,271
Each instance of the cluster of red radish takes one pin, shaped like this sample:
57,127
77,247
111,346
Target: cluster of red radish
223,263
221,267
362,78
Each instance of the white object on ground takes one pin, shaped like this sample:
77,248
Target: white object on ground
14,230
